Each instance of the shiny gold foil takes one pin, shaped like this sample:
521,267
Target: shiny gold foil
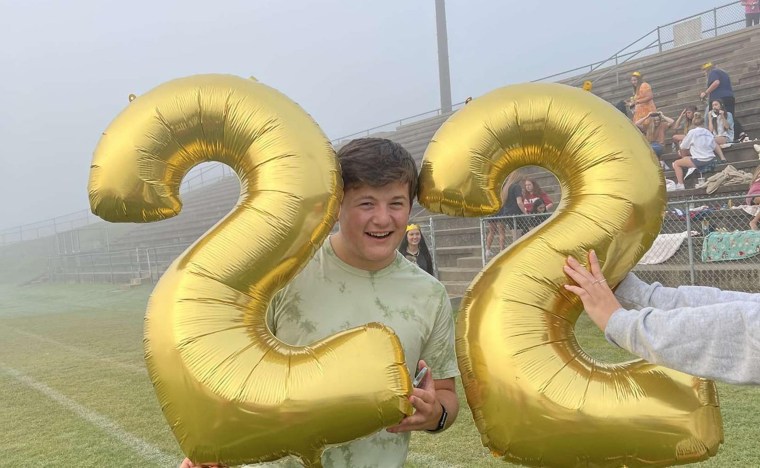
229,389
537,398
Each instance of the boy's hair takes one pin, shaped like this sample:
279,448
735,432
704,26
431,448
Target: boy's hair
376,162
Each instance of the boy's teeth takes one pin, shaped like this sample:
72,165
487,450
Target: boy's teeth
378,234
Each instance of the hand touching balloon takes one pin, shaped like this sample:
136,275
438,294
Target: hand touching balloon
427,408
597,297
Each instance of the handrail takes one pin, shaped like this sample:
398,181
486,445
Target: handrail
658,41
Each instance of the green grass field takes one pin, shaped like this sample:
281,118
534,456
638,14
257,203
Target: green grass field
76,393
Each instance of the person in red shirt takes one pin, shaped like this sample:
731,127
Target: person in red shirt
751,12
532,192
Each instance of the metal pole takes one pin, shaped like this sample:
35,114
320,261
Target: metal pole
691,247
715,21
443,56
110,266
432,246
482,242
659,39
150,268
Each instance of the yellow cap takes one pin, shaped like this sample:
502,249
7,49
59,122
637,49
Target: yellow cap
637,74
412,227
707,66
587,85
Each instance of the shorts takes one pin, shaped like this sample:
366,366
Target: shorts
703,166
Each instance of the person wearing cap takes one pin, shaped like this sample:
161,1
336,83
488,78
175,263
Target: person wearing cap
642,101
414,248
719,87
587,85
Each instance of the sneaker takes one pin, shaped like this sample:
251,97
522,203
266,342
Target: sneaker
680,187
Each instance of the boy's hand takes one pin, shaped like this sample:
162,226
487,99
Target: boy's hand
427,408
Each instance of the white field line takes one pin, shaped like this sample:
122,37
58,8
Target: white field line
79,351
424,459
145,450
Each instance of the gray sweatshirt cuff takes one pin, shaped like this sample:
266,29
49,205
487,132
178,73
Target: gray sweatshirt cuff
620,321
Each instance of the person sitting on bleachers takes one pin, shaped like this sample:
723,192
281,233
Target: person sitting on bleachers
642,101
654,126
753,197
532,192
684,123
721,123
698,150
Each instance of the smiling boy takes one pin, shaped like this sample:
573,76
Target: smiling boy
357,277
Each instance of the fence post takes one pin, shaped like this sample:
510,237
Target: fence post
482,242
659,39
715,21
691,240
432,246
110,265
150,267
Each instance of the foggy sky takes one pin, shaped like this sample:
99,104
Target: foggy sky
68,67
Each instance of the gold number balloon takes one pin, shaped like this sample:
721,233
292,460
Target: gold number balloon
537,398
229,389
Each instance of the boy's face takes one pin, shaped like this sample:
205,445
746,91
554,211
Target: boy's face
372,224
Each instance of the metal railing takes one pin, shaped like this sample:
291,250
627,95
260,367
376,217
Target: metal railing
719,20
706,24
702,241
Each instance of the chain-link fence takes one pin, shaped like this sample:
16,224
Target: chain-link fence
704,25
73,264
702,241
134,266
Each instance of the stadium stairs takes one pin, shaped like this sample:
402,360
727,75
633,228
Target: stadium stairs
675,76
677,80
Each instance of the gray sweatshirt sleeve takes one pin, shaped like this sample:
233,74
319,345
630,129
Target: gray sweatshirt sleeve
698,330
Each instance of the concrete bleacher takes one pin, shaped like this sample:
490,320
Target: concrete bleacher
675,76
202,208
677,80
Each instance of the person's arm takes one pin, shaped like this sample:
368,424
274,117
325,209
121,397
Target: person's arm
547,201
667,119
645,94
714,84
504,193
720,338
718,150
429,401
635,293
686,142
437,390
640,122
719,341
680,117
520,200
521,204
728,121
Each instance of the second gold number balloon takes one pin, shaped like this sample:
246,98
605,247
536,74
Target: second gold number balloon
537,398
